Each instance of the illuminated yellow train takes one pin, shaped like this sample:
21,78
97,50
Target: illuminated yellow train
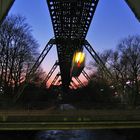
78,63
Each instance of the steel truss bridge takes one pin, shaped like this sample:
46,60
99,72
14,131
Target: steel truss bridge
71,20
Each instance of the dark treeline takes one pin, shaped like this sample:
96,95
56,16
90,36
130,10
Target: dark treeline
124,65
19,51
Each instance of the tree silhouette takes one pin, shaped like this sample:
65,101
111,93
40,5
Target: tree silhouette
18,51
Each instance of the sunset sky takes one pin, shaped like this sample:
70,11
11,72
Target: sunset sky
113,20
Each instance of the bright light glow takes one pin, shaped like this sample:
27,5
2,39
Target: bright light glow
78,63
128,82
79,57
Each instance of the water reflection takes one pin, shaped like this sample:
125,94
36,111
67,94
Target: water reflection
88,135
65,135
117,134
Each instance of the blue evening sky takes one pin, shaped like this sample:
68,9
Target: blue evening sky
113,20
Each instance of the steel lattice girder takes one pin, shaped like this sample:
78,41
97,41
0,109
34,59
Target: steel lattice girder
86,75
79,81
135,7
34,68
72,82
50,72
71,20
97,59
55,79
5,5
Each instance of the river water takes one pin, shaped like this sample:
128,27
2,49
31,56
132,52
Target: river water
118,134
88,135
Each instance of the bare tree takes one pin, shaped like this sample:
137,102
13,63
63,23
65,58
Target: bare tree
18,51
124,64
130,56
